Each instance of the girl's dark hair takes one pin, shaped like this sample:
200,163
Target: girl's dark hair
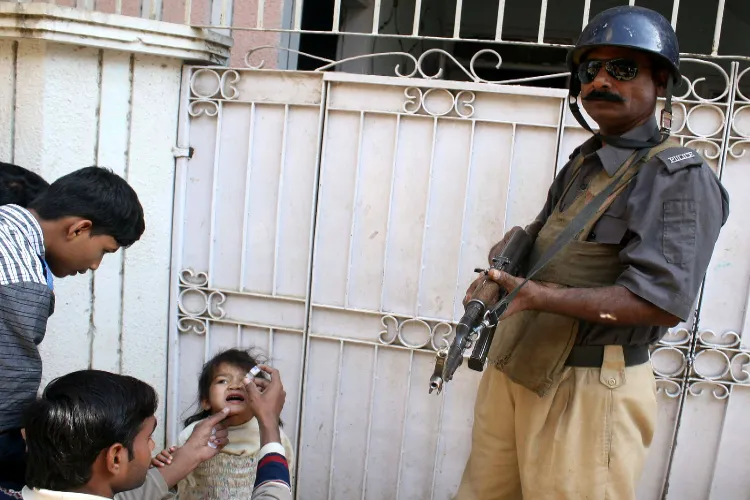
235,357
19,186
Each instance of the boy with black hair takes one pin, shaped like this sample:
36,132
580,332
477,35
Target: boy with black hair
65,230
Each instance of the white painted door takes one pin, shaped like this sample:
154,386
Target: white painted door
333,222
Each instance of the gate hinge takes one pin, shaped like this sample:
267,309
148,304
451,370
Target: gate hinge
183,152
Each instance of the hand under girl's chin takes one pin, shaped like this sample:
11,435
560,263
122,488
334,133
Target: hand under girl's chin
238,415
234,410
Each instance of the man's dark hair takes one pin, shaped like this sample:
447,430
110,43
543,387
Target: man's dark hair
19,186
98,195
78,416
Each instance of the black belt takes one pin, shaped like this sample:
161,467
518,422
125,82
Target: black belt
592,356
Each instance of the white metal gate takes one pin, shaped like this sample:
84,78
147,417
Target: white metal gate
333,221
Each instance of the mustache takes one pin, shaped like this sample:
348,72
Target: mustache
598,95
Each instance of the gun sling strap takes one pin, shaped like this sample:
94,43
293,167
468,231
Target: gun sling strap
593,355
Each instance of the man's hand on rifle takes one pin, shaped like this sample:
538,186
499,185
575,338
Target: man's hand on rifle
531,296
495,250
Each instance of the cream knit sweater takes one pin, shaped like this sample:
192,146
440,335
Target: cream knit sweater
230,475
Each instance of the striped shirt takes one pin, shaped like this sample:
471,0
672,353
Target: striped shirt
26,302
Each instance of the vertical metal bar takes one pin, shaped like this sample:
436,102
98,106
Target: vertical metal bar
721,434
390,211
239,336
426,216
298,4
586,12
270,344
369,420
188,10
510,174
280,198
437,446
246,214
675,432
469,168
97,160
406,420
312,242
560,132
13,118
675,11
417,17
178,244
207,341
457,19
728,123
118,7
261,14
717,28
128,158
376,18
353,225
214,197
224,12
735,82
335,419
500,16
542,22
336,16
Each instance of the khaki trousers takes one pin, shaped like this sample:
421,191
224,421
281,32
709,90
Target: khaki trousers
587,438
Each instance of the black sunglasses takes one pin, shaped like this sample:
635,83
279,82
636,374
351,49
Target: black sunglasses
623,70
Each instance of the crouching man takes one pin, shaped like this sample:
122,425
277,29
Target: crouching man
89,437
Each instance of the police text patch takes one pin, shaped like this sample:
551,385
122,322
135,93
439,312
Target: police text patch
678,158
683,156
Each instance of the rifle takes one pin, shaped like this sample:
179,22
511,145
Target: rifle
481,314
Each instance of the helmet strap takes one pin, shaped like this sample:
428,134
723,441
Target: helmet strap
666,113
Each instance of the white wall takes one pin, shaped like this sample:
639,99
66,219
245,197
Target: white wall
64,107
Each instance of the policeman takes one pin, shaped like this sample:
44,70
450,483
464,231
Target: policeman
568,409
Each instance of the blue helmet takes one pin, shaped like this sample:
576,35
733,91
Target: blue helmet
635,28
630,27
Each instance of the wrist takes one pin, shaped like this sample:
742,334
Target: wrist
541,299
269,433
182,464
186,461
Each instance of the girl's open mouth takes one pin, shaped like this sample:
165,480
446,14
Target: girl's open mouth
235,398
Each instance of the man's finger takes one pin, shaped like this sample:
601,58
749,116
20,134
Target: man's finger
252,388
503,279
271,371
261,383
218,417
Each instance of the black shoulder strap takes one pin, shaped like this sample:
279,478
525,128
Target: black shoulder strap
567,234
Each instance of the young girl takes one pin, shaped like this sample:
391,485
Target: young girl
230,475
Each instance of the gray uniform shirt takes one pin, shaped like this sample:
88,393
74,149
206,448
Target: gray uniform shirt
667,219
